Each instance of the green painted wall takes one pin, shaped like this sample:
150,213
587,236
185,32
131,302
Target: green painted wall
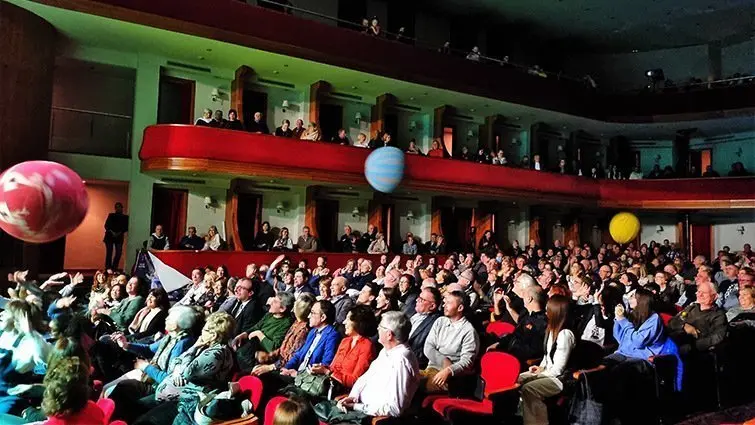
140,189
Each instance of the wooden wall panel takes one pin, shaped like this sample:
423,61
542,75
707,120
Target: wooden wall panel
243,74
375,215
26,80
231,217
310,210
536,224
316,92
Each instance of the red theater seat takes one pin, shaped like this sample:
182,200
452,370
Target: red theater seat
499,374
500,329
252,384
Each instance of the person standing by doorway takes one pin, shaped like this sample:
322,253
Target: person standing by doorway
115,227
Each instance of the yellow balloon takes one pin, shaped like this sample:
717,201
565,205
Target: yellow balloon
624,227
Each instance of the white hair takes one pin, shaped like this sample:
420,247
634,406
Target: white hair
398,324
525,280
185,316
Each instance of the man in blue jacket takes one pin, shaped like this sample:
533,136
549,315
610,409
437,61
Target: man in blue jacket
322,341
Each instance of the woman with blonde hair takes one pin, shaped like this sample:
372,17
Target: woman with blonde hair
641,273
204,367
100,290
213,240
312,132
284,242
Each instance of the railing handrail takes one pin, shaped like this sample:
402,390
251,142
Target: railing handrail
420,43
86,111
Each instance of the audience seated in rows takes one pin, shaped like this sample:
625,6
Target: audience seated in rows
557,300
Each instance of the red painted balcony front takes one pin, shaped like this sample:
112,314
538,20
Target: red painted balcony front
204,150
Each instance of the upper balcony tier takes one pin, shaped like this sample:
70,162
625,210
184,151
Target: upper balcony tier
209,151
239,23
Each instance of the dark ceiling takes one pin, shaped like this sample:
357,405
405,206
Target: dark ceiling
616,25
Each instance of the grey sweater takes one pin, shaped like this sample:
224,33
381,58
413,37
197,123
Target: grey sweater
456,341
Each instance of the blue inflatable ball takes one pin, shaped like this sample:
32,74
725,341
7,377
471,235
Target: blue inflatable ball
384,169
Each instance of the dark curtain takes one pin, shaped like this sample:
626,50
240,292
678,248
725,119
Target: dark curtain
169,210
535,224
248,218
701,241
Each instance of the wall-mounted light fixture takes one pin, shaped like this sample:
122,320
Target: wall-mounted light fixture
285,105
357,118
355,212
280,208
557,224
739,151
409,215
412,125
209,202
216,95
741,230
659,229
470,134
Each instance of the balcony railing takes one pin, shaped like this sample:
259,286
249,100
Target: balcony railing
315,40
288,8
90,132
204,150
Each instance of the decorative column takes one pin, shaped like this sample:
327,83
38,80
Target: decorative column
483,219
536,228
140,185
310,210
243,74
317,91
487,133
382,104
231,217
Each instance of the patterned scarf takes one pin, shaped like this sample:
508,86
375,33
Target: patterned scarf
162,355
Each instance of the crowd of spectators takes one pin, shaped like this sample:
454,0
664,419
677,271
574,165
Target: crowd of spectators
565,165
372,27
211,241
694,83
387,334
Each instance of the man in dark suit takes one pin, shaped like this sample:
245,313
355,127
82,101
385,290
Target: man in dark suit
243,309
258,125
115,226
300,283
427,313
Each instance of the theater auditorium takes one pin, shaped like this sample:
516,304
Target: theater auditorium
304,212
